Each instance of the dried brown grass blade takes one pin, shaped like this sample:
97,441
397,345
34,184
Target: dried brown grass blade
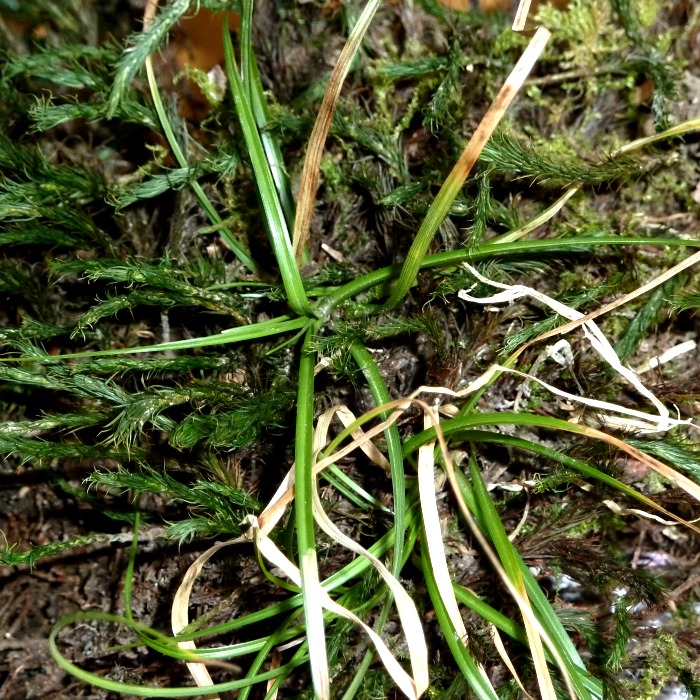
664,470
275,662
499,106
314,151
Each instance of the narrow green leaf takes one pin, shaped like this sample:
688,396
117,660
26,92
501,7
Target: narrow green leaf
256,95
462,657
99,681
452,258
306,539
274,215
255,331
514,566
455,180
236,248
369,368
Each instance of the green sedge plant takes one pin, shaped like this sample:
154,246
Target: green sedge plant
311,323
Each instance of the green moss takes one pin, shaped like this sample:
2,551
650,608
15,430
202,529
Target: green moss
586,31
673,186
648,11
664,660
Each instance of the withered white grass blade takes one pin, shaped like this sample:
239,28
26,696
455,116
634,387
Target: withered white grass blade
619,510
667,356
400,406
408,615
521,524
271,552
323,423
318,659
285,491
434,541
179,614
274,510
521,14
645,422
595,336
347,417
652,284
433,533
315,627
509,90
533,630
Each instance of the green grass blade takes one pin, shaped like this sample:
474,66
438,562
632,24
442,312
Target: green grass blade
246,38
369,368
255,331
554,455
236,248
459,423
490,614
545,614
100,681
462,422
513,565
275,638
486,251
351,490
254,89
455,180
512,629
274,215
466,664
306,539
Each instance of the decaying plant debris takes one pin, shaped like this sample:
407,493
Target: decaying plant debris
372,358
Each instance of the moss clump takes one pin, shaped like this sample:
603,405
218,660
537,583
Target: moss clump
664,660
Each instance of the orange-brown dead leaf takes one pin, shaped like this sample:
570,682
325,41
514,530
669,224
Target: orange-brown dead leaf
196,42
